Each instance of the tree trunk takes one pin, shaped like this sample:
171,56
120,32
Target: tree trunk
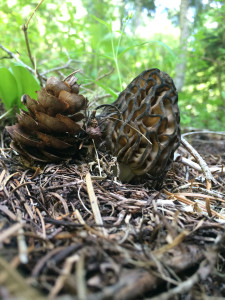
184,34
137,20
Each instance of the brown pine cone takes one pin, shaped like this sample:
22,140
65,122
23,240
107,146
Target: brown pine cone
50,130
142,127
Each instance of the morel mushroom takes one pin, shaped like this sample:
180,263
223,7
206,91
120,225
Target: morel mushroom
143,128
49,130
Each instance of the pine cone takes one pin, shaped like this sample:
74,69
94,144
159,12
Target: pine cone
142,127
50,130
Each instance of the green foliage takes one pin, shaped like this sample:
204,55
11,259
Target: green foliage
14,82
26,82
115,49
8,88
203,98
99,36
59,30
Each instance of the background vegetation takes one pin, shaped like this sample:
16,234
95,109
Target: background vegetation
113,41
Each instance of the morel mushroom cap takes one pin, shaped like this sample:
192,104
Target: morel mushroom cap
143,127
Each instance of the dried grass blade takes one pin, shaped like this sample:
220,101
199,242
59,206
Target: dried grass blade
42,223
205,169
175,242
199,195
9,177
80,279
2,176
16,284
22,245
79,217
187,201
60,198
96,152
6,211
10,231
207,200
66,271
94,204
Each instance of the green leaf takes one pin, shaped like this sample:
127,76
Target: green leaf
105,88
26,82
103,55
8,88
152,42
165,46
109,26
131,47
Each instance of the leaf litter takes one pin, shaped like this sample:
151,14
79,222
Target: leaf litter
74,231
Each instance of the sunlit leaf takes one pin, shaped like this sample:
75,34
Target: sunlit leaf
8,88
107,89
26,82
109,26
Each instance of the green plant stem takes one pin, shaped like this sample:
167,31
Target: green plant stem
115,57
116,61
6,114
121,35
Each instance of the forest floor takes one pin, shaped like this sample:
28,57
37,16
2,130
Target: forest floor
68,232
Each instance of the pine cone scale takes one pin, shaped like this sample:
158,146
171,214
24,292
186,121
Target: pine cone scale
50,130
26,121
32,105
72,126
23,138
53,142
50,103
75,102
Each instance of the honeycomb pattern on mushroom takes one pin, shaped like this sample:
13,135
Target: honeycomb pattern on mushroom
143,130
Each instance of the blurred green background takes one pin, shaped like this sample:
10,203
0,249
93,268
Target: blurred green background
114,41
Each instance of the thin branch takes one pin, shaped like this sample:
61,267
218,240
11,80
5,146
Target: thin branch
218,62
66,66
215,61
71,74
185,286
99,78
204,132
194,165
97,98
86,89
12,55
24,28
105,75
205,169
27,24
